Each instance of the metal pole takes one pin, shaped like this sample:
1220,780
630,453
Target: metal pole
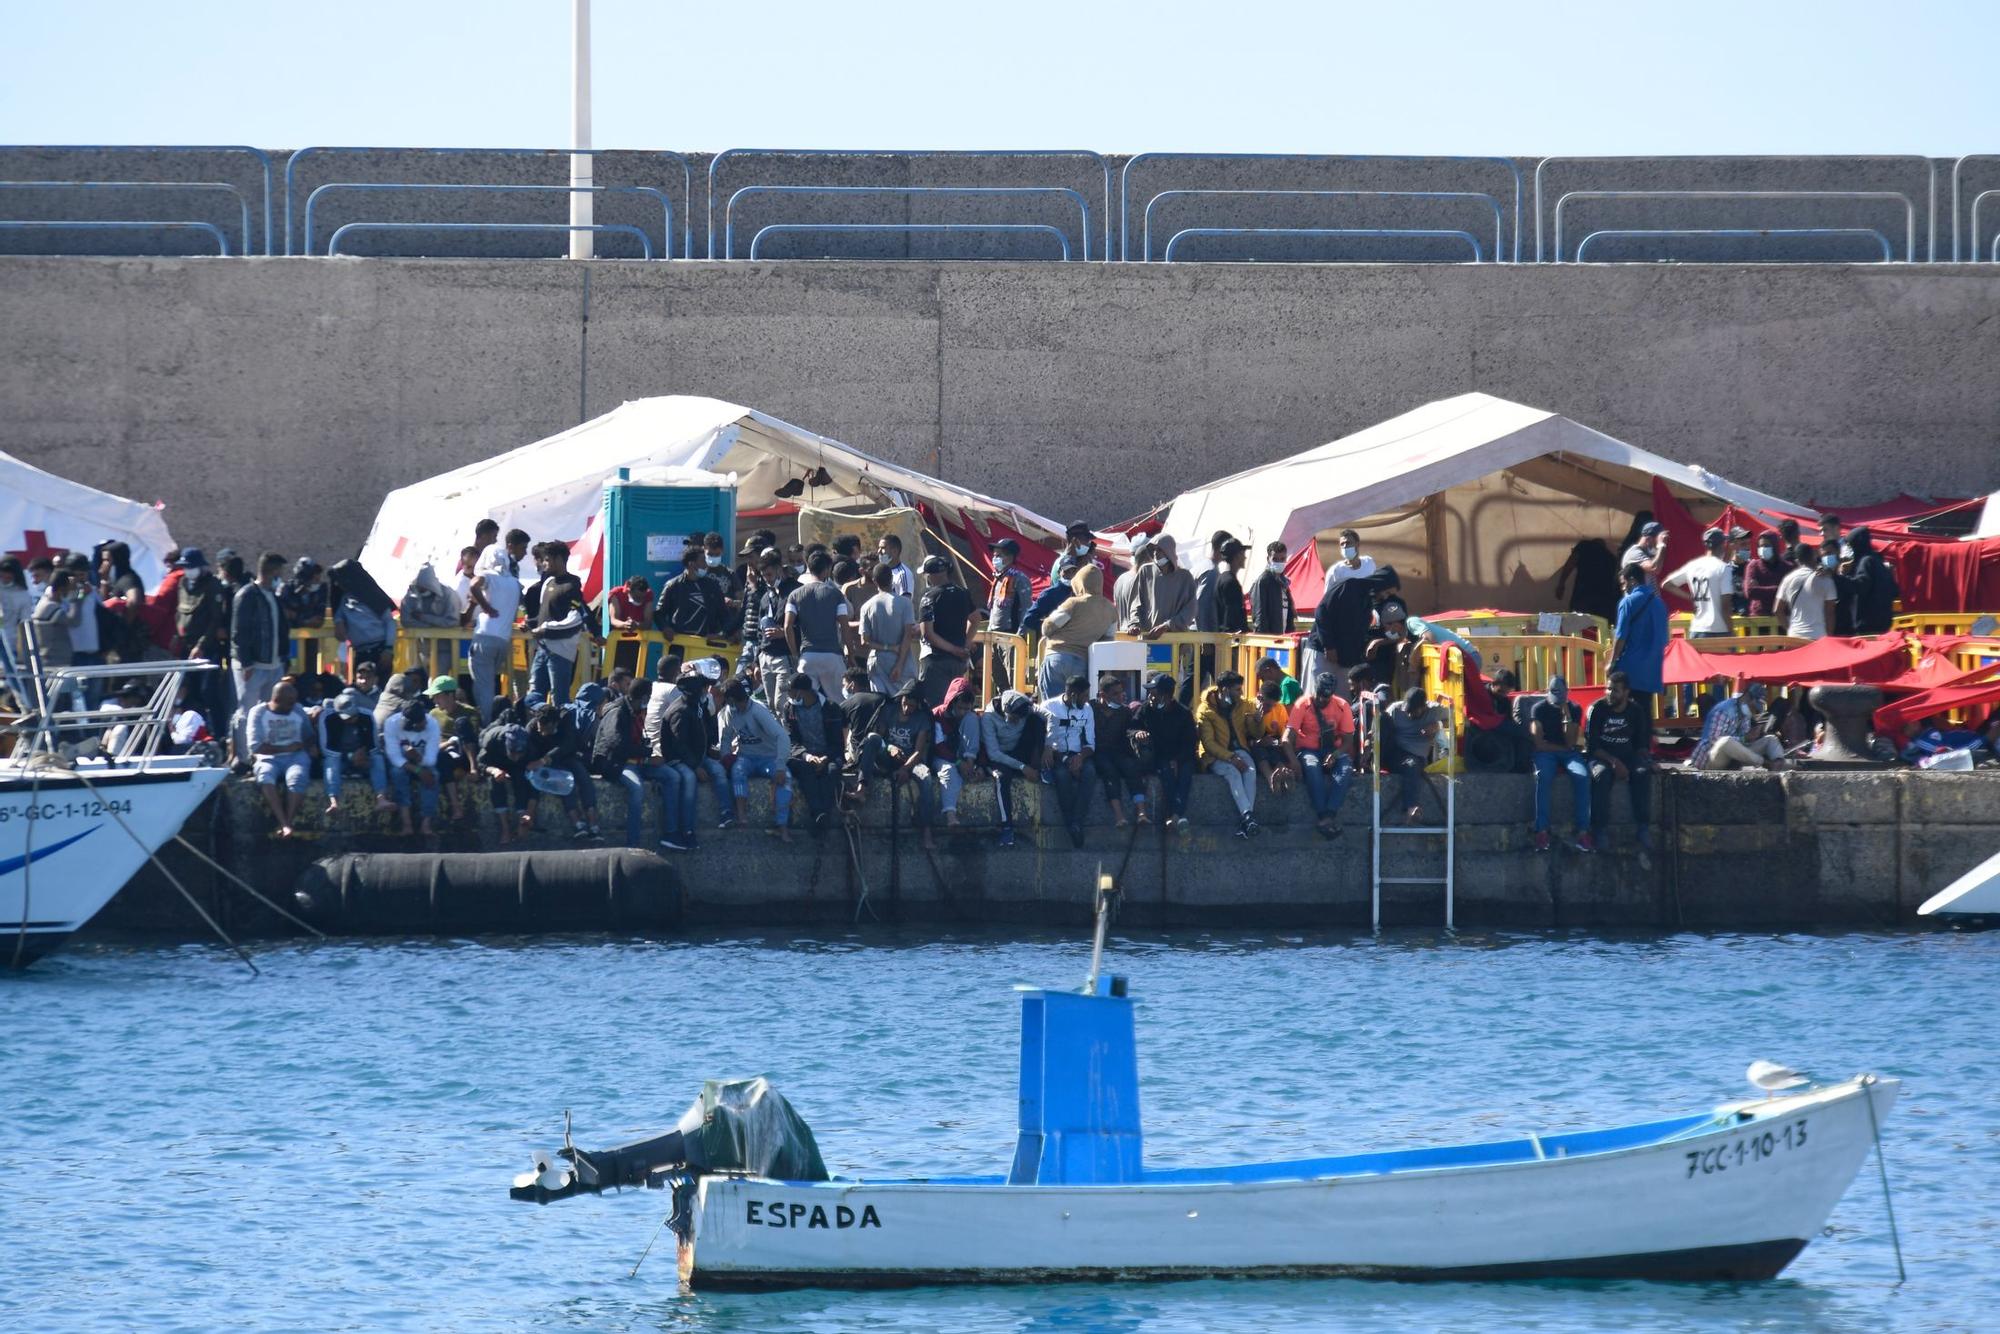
580,199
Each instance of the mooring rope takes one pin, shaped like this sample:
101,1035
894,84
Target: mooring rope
1868,1082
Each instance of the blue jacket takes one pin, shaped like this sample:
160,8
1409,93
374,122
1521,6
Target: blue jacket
1642,624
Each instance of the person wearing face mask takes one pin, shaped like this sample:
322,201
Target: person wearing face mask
1007,604
1166,592
1127,592
1352,564
889,554
1763,576
1079,550
1871,586
1809,596
1639,643
1226,726
1207,617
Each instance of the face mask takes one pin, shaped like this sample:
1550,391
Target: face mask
1228,699
1767,553
798,569
1080,548
715,560
1829,560
1165,563
1349,552
999,565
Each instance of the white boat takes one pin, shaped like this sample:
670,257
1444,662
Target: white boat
1734,1193
1975,892
86,797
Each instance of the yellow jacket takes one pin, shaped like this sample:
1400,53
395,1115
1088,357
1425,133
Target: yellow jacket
1211,722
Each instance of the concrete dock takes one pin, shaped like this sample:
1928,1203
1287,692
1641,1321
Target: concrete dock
1754,852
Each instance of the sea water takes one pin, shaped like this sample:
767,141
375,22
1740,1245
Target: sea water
329,1146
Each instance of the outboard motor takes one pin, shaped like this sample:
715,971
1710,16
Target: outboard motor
741,1125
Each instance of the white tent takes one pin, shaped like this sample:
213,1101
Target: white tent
553,487
41,512
1475,500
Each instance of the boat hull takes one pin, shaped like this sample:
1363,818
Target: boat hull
1977,892
65,850
1736,1202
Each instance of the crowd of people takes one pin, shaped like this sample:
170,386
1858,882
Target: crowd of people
848,668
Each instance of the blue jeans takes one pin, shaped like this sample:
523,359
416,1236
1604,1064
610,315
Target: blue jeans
1328,777
677,790
549,675
718,778
1548,763
1056,670
334,768
748,767
488,654
408,791
633,779
1176,781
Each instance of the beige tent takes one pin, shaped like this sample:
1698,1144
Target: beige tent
1475,500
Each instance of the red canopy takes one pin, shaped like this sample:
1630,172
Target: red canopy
1876,658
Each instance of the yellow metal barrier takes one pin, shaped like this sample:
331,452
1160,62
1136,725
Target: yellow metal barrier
1947,623
1006,662
1248,650
318,649
1479,625
640,651
1740,626
440,652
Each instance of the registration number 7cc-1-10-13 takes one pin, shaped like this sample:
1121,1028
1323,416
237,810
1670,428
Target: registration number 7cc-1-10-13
1750,1149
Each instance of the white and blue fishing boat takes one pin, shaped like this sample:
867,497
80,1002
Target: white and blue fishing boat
86,796
1732,1193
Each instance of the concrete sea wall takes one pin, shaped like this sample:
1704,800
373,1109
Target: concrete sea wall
271,402
1735,852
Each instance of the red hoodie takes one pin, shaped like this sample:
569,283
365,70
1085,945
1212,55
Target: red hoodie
947,749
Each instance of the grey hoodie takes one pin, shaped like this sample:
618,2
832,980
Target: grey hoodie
1001,733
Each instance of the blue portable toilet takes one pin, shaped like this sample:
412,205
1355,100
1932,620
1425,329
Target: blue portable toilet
647,517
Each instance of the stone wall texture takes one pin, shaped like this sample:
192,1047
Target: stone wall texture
271,402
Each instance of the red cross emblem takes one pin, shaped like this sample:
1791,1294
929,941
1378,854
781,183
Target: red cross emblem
37,544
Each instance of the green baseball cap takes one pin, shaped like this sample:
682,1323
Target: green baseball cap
441,685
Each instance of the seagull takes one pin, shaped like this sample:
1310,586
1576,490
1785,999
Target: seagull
1770,1077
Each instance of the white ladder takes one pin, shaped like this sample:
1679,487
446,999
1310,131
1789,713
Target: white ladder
1449,829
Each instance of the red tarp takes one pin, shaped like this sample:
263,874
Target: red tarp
1890,718
1825,661
1307,577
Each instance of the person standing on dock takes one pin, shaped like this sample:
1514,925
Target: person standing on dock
1352,564
495,598
816,626
1271,609
944,625
1166,592
1128,591
256,645
557,627
1639,641
1709,582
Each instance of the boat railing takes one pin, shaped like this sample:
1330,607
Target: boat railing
53,720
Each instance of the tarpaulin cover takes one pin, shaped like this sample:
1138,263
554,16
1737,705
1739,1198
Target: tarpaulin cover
1980,687
1491,491
43,514
553,487
1826,661
745,1125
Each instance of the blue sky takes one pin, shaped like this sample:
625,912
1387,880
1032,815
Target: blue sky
1691,77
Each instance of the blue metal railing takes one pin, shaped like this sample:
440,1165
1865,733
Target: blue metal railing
243,205
715,166
1016,228
908,191
1173,242
687,174
1909,207
1146,222
1302,159
1971,247
262,158
221,241
612,228
1764,233
666,204
1910,255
